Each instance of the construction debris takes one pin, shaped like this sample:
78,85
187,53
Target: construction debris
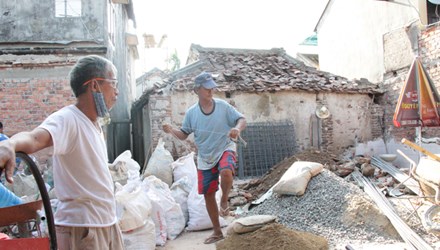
333,206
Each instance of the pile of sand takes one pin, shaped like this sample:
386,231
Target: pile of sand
274,236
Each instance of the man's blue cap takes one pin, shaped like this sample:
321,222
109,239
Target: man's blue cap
205,80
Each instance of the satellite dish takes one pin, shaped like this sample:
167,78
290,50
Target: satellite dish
322,112
434,1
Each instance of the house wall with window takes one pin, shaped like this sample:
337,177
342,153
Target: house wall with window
53,20
40,41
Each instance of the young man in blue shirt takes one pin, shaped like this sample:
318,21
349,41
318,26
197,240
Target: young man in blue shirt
216,125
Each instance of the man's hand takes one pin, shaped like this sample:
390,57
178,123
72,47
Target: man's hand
234,133
7,160
167,128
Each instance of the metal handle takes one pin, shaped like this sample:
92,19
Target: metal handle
44,196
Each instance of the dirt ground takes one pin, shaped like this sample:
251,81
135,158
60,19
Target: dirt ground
189,241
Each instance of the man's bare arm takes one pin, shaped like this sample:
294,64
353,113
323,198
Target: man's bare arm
167,128
27,142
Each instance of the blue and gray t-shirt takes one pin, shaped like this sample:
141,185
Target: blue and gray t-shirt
211,131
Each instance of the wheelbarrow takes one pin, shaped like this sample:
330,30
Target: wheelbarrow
27,217
426,172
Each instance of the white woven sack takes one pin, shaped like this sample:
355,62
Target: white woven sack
180,191
294,181
142,238
185,166
159,164
159,191
198,215
133,207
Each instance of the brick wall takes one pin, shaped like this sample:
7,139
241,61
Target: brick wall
26,102
29,94
160,110
160,113
429,43
429,53
377,122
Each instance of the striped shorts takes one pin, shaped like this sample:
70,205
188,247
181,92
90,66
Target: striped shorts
208,179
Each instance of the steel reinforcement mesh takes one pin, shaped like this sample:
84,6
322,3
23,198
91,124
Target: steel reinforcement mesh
267,144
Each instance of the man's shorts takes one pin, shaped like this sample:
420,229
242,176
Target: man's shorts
208,179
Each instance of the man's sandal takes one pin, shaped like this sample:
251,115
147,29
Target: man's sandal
213,238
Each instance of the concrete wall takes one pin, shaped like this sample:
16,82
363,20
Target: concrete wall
25,20
351,35
351,117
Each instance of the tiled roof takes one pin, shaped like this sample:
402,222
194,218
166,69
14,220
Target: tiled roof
153,72
261,70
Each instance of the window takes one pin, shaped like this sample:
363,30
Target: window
67,8
433,12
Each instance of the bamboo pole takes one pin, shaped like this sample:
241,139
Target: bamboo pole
420,149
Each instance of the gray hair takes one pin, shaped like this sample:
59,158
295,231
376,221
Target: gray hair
87,68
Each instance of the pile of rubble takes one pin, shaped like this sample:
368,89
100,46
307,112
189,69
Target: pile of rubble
333,206
251,189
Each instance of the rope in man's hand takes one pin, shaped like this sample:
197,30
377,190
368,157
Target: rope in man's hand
234,136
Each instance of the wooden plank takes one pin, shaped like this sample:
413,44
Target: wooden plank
418,148
20,213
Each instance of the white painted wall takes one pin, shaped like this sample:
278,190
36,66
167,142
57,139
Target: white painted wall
350,35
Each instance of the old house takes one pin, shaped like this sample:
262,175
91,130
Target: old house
287,105
148,80
379,42
39,43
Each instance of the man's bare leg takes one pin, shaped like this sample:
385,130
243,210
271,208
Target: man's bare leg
226,185
211,207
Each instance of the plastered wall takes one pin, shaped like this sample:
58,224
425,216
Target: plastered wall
351,116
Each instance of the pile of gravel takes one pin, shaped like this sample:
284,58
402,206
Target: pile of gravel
322,210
